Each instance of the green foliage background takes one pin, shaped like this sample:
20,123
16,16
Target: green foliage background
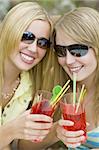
61,6
54,7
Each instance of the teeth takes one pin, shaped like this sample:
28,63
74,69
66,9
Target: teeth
26,57
75,69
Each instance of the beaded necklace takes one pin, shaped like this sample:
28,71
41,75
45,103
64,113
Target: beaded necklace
9,95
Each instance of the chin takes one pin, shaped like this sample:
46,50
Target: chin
80,79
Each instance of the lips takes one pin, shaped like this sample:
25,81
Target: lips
75,69
27,58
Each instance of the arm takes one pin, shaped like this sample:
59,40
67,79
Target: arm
50,139
5,136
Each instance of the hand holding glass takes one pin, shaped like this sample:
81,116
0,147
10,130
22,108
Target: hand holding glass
73,113
41,105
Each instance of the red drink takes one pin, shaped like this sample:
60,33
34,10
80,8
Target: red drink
69,113
79,122
42,107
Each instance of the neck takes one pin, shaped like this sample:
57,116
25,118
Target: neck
89,83
11,73
90,88
11,81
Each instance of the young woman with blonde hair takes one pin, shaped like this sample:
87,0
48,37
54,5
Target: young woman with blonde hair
24,42
77,50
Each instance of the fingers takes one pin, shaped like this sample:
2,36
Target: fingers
40,131
31,137
38,121
38,125
73,145
39,117
34,138
34,135
36,132
65,122
69,138
66,133
30,126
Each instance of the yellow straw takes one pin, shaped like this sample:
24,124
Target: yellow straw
80,97
58,95
84,92
74,88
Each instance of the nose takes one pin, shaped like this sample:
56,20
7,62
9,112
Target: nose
70,59
33,46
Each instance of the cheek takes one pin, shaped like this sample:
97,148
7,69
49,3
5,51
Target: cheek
91,61
21,46
41,53
93,64
62,61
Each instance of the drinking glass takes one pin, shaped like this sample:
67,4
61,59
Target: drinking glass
41,105
72,113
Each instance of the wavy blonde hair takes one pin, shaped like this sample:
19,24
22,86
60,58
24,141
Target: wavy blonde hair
82,25
14,24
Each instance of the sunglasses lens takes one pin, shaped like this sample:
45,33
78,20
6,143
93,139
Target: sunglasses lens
78,52
28,37
60,50
43,43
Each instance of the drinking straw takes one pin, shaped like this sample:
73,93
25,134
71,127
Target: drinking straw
84,92
36,99
61,96
40,97
60,92
39,102
74,88
80,97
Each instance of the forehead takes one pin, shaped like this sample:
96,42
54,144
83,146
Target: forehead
39,27
63,39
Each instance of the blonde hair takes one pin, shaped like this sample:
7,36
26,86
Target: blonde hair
82,25
14,24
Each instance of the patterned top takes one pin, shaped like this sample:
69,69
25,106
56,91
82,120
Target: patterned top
92,140
19,101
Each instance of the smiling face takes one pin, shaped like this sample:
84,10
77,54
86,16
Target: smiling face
83,66
29,55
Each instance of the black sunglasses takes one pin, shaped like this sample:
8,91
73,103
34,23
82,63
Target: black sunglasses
29,38
77,50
